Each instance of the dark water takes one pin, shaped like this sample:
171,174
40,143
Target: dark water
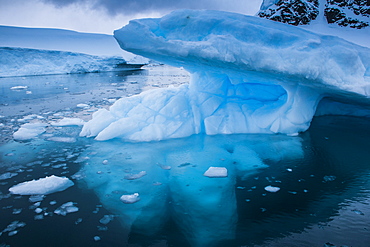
323,176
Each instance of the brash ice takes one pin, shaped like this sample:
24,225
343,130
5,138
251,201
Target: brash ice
249,75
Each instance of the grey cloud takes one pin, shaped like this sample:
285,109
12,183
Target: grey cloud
114,7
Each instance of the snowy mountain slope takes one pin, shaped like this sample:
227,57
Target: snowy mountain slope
249,75
22,62
351,13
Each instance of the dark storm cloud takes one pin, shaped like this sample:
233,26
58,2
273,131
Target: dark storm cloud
136,6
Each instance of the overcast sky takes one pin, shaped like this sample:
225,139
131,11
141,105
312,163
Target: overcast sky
104,16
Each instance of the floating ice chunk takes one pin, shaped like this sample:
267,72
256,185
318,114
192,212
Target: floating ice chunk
19,87
272,189
12,233
8,175
329,179
129,199
106,219
97,238
66,208
17,210
38,217
216,172
78,221
358,212
62,139
29,130
135,176
38,210
83,106
42,186
68,122
36,198
12,227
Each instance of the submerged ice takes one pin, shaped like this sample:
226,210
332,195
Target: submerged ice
190,181
249,75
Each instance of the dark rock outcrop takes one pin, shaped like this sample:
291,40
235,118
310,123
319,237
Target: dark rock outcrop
351,13
294,12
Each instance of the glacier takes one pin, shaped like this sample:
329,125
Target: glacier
248,75
29,62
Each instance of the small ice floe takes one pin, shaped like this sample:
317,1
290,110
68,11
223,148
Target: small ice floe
105,162
289,169
135,176
66,208
38,210
272,189
216,172
329,179
97,238
19,88
62,139
36,198
106,219
38,217
358,212
83,106
12,228
42,186
129,199
17,210
53,202
68,122
8,175
29,130
78,221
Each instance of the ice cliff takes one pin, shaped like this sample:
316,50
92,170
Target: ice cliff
249,75
25,62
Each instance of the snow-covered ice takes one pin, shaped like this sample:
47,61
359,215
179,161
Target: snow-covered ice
68,122
249,75
29,131
42,186
272,189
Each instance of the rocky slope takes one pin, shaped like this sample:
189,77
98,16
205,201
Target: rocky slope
346,13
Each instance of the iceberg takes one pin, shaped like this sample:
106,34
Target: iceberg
248,75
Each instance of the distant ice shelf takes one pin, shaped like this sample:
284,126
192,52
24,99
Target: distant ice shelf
249,75
26,62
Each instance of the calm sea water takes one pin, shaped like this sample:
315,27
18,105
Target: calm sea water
322,176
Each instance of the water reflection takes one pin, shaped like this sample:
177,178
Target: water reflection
174,187
314,172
